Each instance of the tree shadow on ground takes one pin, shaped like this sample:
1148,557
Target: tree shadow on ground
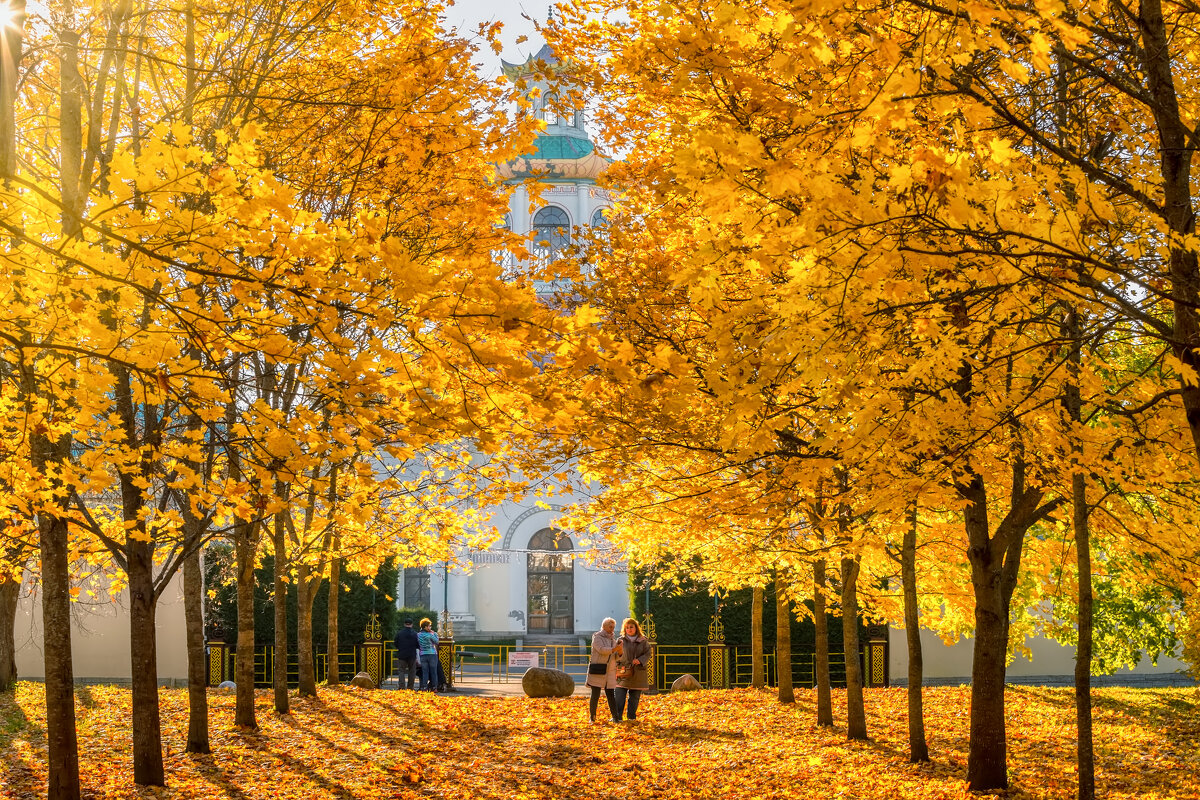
350,722
15,726
1175,703
689,733
85,697
207,767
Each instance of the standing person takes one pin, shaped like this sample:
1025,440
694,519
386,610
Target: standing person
427,643
406,656
602,670
632,675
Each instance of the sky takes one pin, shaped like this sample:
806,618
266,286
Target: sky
467,14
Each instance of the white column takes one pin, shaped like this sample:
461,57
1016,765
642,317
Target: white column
581,205
459,596
520,210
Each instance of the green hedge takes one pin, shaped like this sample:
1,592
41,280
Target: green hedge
683,613
359,596
416,615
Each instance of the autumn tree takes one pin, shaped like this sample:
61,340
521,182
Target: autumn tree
853,238
193,275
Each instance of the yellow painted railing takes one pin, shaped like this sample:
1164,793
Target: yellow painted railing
490,663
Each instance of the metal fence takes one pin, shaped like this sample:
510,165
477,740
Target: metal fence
715,664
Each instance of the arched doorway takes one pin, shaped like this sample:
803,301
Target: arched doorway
551,570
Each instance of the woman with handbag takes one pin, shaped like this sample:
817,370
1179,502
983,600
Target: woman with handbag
602,669
632,674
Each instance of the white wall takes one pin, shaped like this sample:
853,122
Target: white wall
100,636
947,662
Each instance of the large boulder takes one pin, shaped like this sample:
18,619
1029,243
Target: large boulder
543,682
363,681
686,683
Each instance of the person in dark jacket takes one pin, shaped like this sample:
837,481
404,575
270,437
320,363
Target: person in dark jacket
635,655
406,656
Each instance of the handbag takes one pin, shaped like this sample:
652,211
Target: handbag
624,670
597,668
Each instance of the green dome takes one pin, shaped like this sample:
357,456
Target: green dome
560,147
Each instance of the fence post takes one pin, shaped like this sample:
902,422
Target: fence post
718,672
652,668
370,652
217,652
877,656
446,649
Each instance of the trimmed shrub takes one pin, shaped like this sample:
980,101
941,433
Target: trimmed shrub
683,613
360,595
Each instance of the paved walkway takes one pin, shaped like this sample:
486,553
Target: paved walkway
484,688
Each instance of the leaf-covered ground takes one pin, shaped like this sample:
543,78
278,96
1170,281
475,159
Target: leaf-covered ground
726,744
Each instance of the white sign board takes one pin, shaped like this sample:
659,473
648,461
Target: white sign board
521,660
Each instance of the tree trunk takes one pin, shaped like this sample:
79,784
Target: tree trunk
245,545
918,749
147,726
332,678
70,126
62,747
1176,149
138,552
987,764
821,658
11,42
783,640
279,542
306,593
193,617
1085,757
193,568
856,715
758,678
10,595
995,565
61,744
1083,654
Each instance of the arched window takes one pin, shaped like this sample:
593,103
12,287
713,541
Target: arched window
548,109
551,577
600,219
551,233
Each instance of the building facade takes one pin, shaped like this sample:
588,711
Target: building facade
539,580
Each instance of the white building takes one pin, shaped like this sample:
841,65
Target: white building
537,581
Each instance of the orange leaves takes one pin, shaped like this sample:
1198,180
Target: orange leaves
740,743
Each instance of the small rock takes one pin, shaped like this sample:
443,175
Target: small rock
543,682
363,681
228,686
686,683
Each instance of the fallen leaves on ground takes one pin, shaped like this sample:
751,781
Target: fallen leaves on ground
712,744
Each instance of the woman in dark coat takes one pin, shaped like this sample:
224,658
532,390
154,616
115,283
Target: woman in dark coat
635,653
602,669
